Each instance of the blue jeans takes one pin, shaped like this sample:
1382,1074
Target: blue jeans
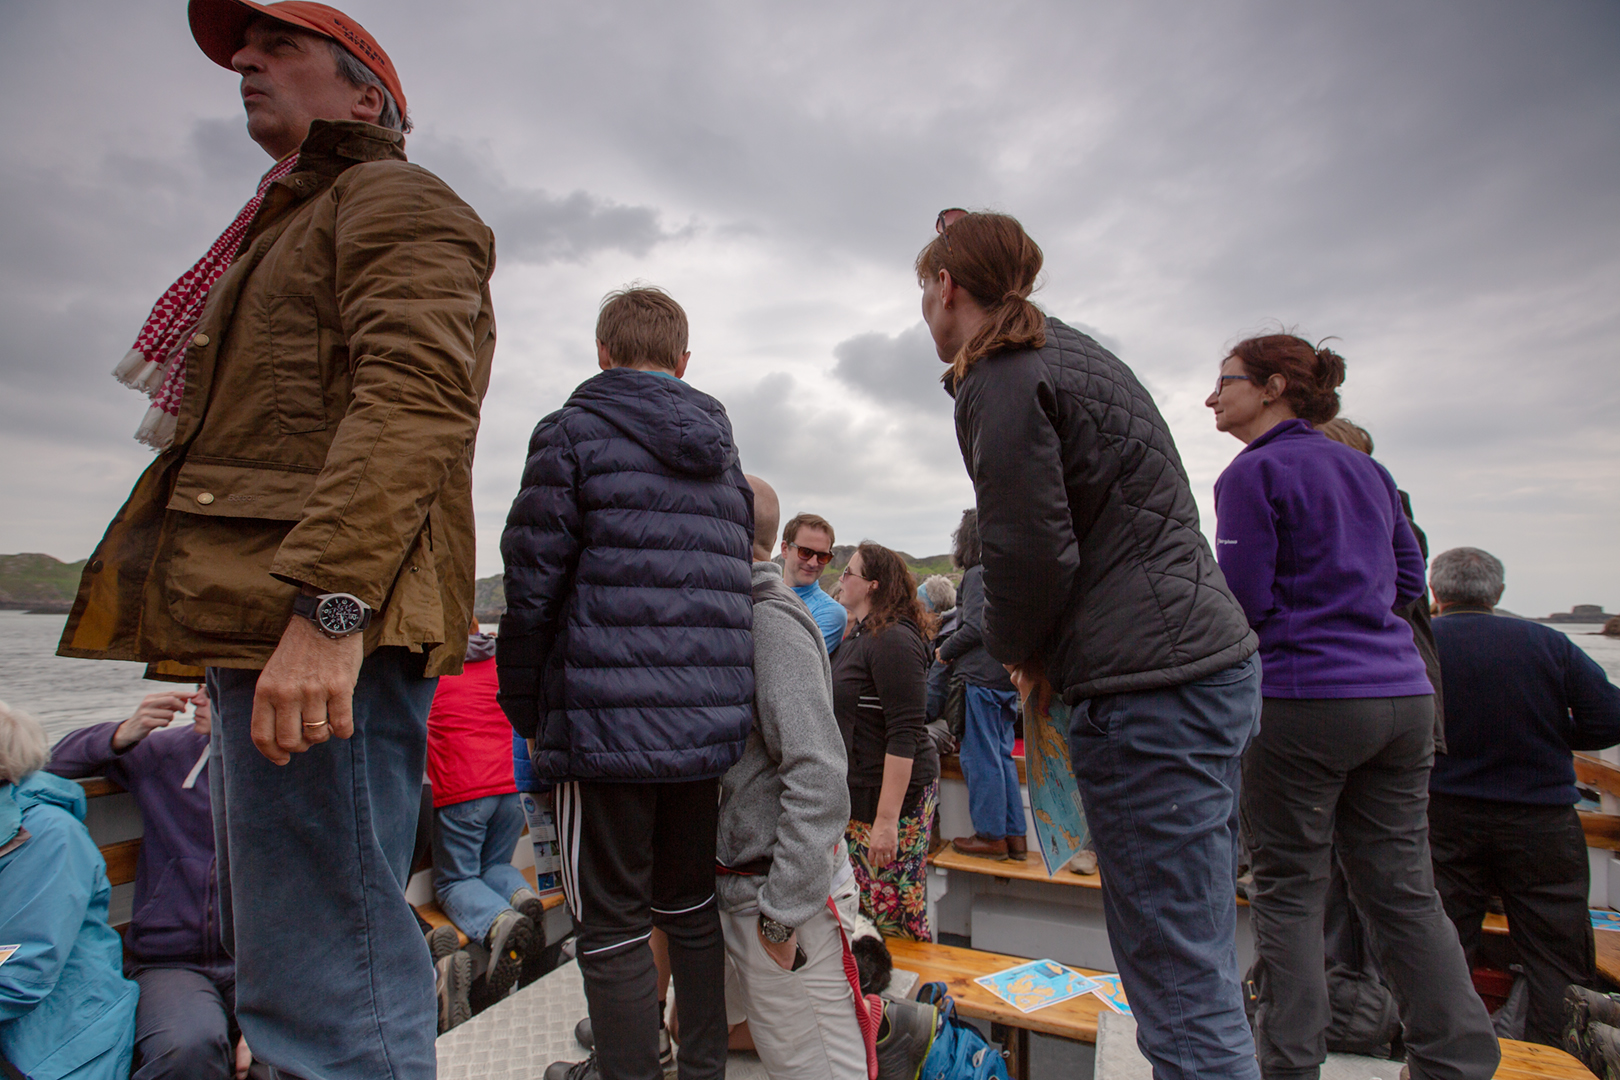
333,977
995,801
1159,773
473,874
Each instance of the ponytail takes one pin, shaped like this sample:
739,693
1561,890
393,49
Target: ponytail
995,261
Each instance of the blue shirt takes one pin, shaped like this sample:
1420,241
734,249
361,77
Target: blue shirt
828,613
1519,697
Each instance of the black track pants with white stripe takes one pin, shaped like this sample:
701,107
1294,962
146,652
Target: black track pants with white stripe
637,856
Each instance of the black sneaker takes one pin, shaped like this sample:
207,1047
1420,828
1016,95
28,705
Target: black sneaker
584,1035
573,1070
904,1037
511,941
452,981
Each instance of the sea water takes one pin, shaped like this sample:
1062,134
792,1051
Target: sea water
67,694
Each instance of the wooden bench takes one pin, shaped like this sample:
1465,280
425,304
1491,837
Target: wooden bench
1077,1018
1030,869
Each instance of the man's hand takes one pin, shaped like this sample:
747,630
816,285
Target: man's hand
783,953
1029,678
244,1058
882,843
306,692
154,711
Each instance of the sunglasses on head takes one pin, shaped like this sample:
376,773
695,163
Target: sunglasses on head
823,557
946,219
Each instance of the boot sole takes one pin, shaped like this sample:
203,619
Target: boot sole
454,1005
505,968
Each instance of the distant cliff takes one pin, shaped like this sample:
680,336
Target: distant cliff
1580,613
35,582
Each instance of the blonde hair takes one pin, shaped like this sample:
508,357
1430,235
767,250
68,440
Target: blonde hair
23,747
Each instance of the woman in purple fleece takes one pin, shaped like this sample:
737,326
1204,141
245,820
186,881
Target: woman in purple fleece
1313,543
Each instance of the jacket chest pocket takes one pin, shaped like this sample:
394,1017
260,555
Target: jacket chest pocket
294,336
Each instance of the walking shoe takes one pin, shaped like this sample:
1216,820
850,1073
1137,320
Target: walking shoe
904,1036
1084,863
1582,1009
526,902
980,847
511,940
442,941
531,907
1018,848
584,1035
452,980
573,1070
1605,1042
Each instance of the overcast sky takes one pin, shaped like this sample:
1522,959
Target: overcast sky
1436,184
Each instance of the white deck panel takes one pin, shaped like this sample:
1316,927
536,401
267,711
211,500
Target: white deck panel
517,1038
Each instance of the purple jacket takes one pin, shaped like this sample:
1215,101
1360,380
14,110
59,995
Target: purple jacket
1313,543
176,915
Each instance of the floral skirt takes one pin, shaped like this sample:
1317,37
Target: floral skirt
895,898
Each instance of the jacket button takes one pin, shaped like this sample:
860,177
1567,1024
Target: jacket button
95,566
205,497
199,340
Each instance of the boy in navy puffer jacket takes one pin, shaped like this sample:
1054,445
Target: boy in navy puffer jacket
626,659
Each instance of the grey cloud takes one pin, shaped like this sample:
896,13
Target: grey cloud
901,370
534,226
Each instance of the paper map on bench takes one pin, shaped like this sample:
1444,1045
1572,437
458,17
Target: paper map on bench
1054,797
1036,984
1111,993
1605,920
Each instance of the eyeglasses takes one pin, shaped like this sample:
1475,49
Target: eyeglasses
946,219
811,554
850,573
1222,380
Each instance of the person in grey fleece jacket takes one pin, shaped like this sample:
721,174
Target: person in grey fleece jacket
783,807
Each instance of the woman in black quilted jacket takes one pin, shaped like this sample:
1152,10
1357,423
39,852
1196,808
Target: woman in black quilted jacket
879,686
1099,587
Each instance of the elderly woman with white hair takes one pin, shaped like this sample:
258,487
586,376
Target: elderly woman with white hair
66,1010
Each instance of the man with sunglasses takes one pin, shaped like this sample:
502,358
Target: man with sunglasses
807,542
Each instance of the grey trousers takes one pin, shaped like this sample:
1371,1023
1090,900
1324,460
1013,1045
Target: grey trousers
1354,770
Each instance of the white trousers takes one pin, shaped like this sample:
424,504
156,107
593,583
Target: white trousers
803,1022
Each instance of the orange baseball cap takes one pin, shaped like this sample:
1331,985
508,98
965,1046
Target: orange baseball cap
220,27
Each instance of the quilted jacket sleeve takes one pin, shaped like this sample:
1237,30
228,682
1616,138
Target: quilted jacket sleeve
1006,425
540,547
409,306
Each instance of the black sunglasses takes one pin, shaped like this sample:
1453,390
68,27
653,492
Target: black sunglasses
946,219
811,553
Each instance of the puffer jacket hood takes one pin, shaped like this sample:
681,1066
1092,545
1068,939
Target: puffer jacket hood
684,428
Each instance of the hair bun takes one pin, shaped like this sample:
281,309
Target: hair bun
1329,369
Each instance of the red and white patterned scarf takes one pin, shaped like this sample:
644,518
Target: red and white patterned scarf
156,363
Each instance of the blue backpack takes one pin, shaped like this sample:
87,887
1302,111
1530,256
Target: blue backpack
959,1051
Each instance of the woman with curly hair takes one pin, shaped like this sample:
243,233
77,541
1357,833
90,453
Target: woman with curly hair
1313,541
879,689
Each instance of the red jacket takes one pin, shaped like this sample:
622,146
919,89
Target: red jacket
469,749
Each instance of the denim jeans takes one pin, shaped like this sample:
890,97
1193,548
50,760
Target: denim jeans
333,977
1159,773
995,801
473,875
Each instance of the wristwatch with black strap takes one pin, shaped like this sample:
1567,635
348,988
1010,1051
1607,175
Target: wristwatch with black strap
774,932
337,615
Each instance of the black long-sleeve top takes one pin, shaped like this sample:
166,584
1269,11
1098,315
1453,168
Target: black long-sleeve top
879,690
965,650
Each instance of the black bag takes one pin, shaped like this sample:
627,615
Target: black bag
955,711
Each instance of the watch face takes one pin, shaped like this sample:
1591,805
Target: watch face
340,614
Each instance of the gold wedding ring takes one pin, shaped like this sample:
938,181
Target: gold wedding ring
318,723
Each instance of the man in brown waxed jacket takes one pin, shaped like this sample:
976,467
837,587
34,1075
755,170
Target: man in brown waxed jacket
306,533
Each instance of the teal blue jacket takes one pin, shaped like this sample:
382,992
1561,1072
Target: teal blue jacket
66,1010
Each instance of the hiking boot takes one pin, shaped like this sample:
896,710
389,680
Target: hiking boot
1084,863
573,1070
452,981
584,1035
1582,1009
1017,848
978,846
442,941
530,906
1605,1043
511,940
904,1036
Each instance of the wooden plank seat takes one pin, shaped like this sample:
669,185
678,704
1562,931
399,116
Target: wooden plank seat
435,917
950,768
1076,1018
1030,869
